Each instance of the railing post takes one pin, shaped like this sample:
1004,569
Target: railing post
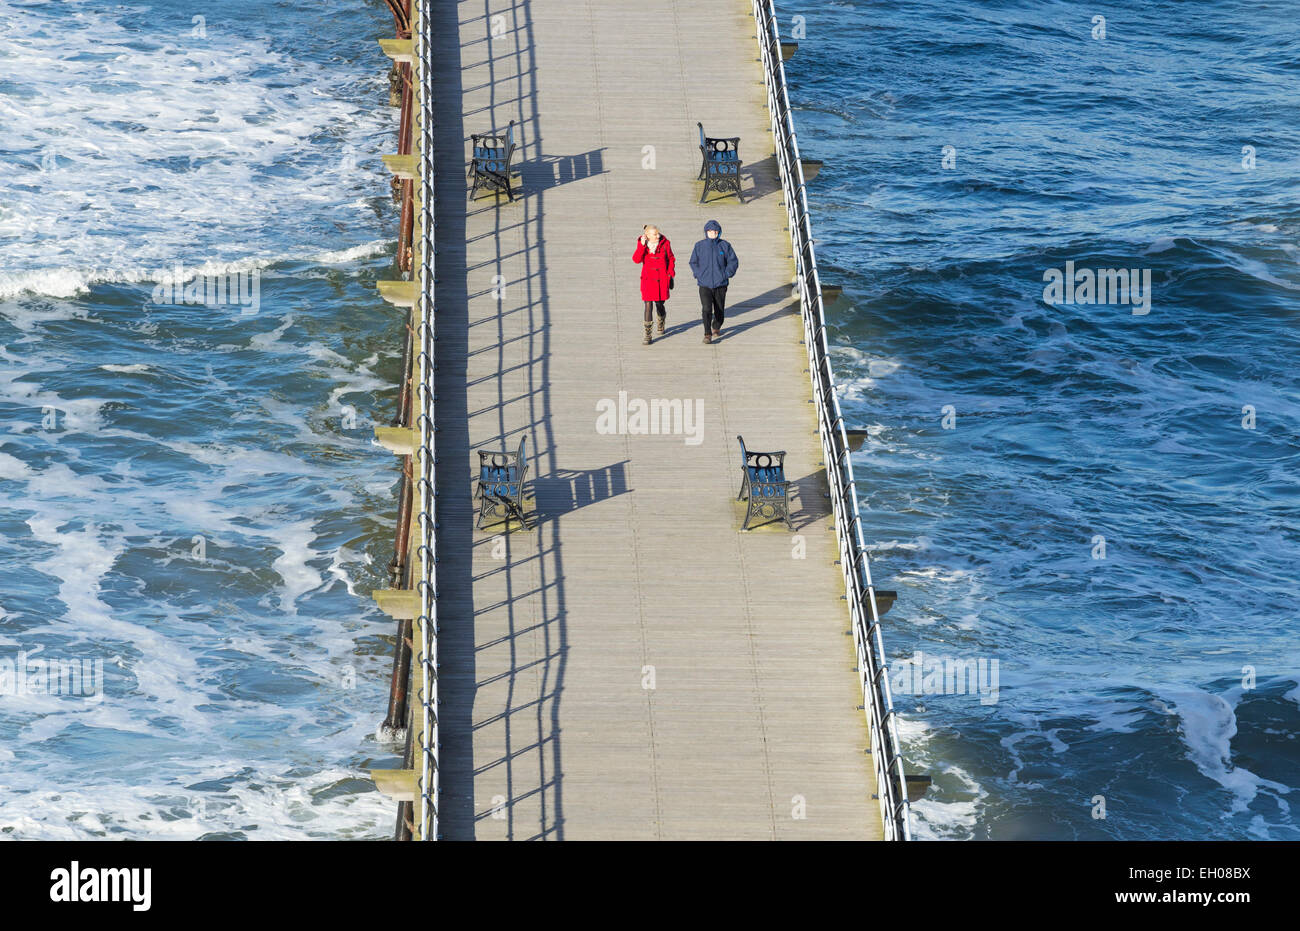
425,626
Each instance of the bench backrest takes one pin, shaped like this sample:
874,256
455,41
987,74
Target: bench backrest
521,457
505,467
769,466
492,151
719,148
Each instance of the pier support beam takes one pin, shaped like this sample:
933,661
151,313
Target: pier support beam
397,784
397,293
401,51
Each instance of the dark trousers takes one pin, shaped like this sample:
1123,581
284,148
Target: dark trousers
713,305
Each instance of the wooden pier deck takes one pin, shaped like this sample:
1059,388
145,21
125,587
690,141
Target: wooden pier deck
636,574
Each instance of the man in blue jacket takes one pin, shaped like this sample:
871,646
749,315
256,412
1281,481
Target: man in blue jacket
714,262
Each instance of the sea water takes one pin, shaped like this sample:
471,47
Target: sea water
1102,498
190,501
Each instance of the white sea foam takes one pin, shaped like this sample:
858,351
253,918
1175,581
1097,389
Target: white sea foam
131,152
956,814
69,282
343,256
46,409
253,797
920,544
167,685
1207,724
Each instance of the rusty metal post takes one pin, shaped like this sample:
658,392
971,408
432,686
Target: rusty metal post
406,810
399,571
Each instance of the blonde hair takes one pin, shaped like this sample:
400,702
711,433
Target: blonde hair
650,226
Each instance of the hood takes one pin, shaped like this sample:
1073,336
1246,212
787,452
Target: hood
712,225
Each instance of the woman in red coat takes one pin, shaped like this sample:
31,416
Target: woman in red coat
654,253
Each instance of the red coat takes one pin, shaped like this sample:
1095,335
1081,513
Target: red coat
657,269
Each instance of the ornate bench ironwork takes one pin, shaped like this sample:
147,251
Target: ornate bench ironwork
500,489
491,161
719,163
764,486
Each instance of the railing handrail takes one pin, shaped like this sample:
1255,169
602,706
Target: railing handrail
873,668
428,784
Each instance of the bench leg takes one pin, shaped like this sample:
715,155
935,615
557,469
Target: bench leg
508,506
488,507
518,508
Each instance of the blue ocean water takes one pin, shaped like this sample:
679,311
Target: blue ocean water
1155,692
188,494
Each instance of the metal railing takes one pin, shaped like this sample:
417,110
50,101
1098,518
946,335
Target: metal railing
873,668
426,623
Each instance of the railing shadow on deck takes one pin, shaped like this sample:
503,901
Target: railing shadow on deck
548,171
455,513
764,177
532,571
568,490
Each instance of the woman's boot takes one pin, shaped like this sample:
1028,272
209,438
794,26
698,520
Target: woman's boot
647,335
663,318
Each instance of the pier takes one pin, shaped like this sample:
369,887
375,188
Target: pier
633,664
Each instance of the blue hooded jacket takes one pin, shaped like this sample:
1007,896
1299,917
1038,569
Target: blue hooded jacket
713,260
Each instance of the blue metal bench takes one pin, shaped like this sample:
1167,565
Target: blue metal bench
491,162
719,163
764,486
500,488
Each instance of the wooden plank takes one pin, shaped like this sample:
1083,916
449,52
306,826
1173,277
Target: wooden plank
635,667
